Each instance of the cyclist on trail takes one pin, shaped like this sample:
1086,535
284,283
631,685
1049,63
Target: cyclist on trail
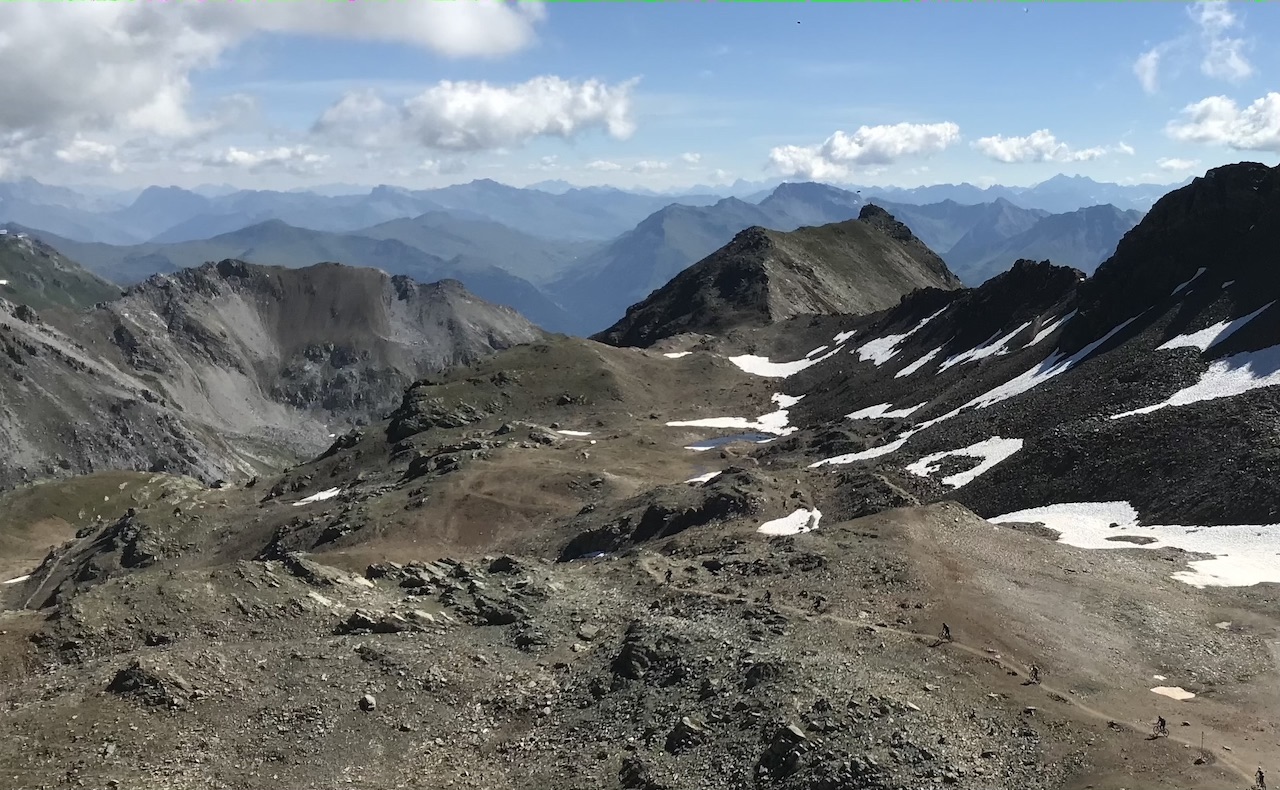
1162,727
946,633
1261,779
1035,673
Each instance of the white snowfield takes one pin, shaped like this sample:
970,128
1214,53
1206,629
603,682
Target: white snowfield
1055,365
775,422
4,282
919,363
1211,336
708,477
882,349
762,366
17,580
677,354
995,346
1174,692
574,433
1051,328
1244,554
884,411
798,522
329,493
1225,378
1199,272
992,451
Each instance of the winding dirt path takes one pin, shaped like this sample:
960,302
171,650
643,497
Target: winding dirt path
1217,757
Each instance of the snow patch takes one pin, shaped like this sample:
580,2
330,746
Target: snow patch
817,350
1244,554
677,354
328,493
883,349
994,347
1228,283
1174,692
1051,328
862,455
17,580
574,433
4,282
1213,335
884,411
919,363
1199,272
709,476
785,401
992,451
762,366
843,337
798,522
1225,378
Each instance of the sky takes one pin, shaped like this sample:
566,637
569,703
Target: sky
286,94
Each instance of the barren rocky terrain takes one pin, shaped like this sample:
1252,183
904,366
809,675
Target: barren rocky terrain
924,546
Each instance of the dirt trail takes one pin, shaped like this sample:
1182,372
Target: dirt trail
1216,757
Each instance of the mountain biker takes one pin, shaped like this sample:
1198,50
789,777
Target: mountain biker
946,633
1162,727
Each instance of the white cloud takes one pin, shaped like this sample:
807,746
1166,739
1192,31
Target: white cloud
298,160
475,116
440,167
144,54
1221,54
546,163
1147,67
691,158
869,145
1124,148
80,151
1177,165
1218,121
604,166
649,166
1039,146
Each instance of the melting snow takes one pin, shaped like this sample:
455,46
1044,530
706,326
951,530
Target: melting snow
885,411
1244,554
786,401
709,476
4,282
1228,283
1211,336
817,350
19,579
1174,692
320,497
1051,328
1199,272
677,354
1225,378
1056,364
994,347
843,337
800,521
574,433
992,451
761,366
919,363
883,349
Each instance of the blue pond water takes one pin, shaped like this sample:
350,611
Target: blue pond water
721,441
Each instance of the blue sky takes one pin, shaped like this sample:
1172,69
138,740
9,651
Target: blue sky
427,92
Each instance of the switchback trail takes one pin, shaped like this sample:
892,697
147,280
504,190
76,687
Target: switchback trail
646,562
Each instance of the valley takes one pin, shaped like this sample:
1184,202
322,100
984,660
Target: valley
813,513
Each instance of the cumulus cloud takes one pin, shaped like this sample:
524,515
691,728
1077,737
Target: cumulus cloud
1039,146
869,145
1217,120
1177,165
298,160
144,54
604,166
1222,55
691,158
476,116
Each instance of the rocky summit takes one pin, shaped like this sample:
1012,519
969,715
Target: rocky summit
813,516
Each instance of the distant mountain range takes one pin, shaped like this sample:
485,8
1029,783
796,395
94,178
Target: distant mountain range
549,210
